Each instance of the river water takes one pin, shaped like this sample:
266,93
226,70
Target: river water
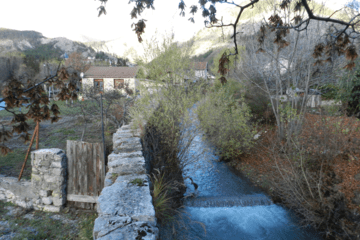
2,105
228,206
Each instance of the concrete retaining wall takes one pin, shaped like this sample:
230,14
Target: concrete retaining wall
47,189
125,208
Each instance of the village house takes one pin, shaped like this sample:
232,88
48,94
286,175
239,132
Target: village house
200,69
105,78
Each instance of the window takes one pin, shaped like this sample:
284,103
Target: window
119,83
99,85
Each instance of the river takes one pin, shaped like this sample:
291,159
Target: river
228,205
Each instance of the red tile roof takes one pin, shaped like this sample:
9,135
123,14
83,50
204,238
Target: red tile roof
110,72
198,65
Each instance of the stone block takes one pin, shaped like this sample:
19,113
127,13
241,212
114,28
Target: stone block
2,196
126,198
116,156
57,171
24,204
134,141
44,193
56,165
53,185
35,178
128,166
47,200
51,208
105,225
108,182
9,194
118,136
53,179
119,147
35,171
58,201
58,194
134,230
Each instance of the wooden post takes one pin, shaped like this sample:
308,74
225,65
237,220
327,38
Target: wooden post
102,131
28,151
37,135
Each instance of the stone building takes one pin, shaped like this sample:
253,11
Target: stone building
109,78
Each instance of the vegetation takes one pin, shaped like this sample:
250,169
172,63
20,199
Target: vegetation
137,181
14,34
161,199
226,121
348,91
101,56
44,225
165,111
43,52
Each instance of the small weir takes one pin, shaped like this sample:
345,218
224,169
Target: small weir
244,201
227,206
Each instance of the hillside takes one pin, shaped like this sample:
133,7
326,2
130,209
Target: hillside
20,41
208,42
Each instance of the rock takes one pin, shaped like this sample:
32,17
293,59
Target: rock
58,201
128,199
105,225
50,208
2,196
44,193
127,145
8,236
55,217
135,230
4,228
257,136
29,216
24,204
47,200
123,166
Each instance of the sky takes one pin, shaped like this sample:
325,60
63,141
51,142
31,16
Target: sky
73,18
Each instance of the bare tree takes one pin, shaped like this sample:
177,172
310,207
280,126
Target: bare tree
116,103
339,36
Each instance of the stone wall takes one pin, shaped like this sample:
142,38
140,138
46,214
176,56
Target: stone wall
125,209
47,189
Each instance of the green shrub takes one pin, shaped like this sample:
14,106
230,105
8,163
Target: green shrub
260,106
226,122
328,91
161,198
346,85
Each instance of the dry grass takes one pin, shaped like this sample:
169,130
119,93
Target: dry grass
330,146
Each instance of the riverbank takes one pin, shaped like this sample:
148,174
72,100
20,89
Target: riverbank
341,178
220,204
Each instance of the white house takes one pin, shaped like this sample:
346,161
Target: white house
109,78
200,69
